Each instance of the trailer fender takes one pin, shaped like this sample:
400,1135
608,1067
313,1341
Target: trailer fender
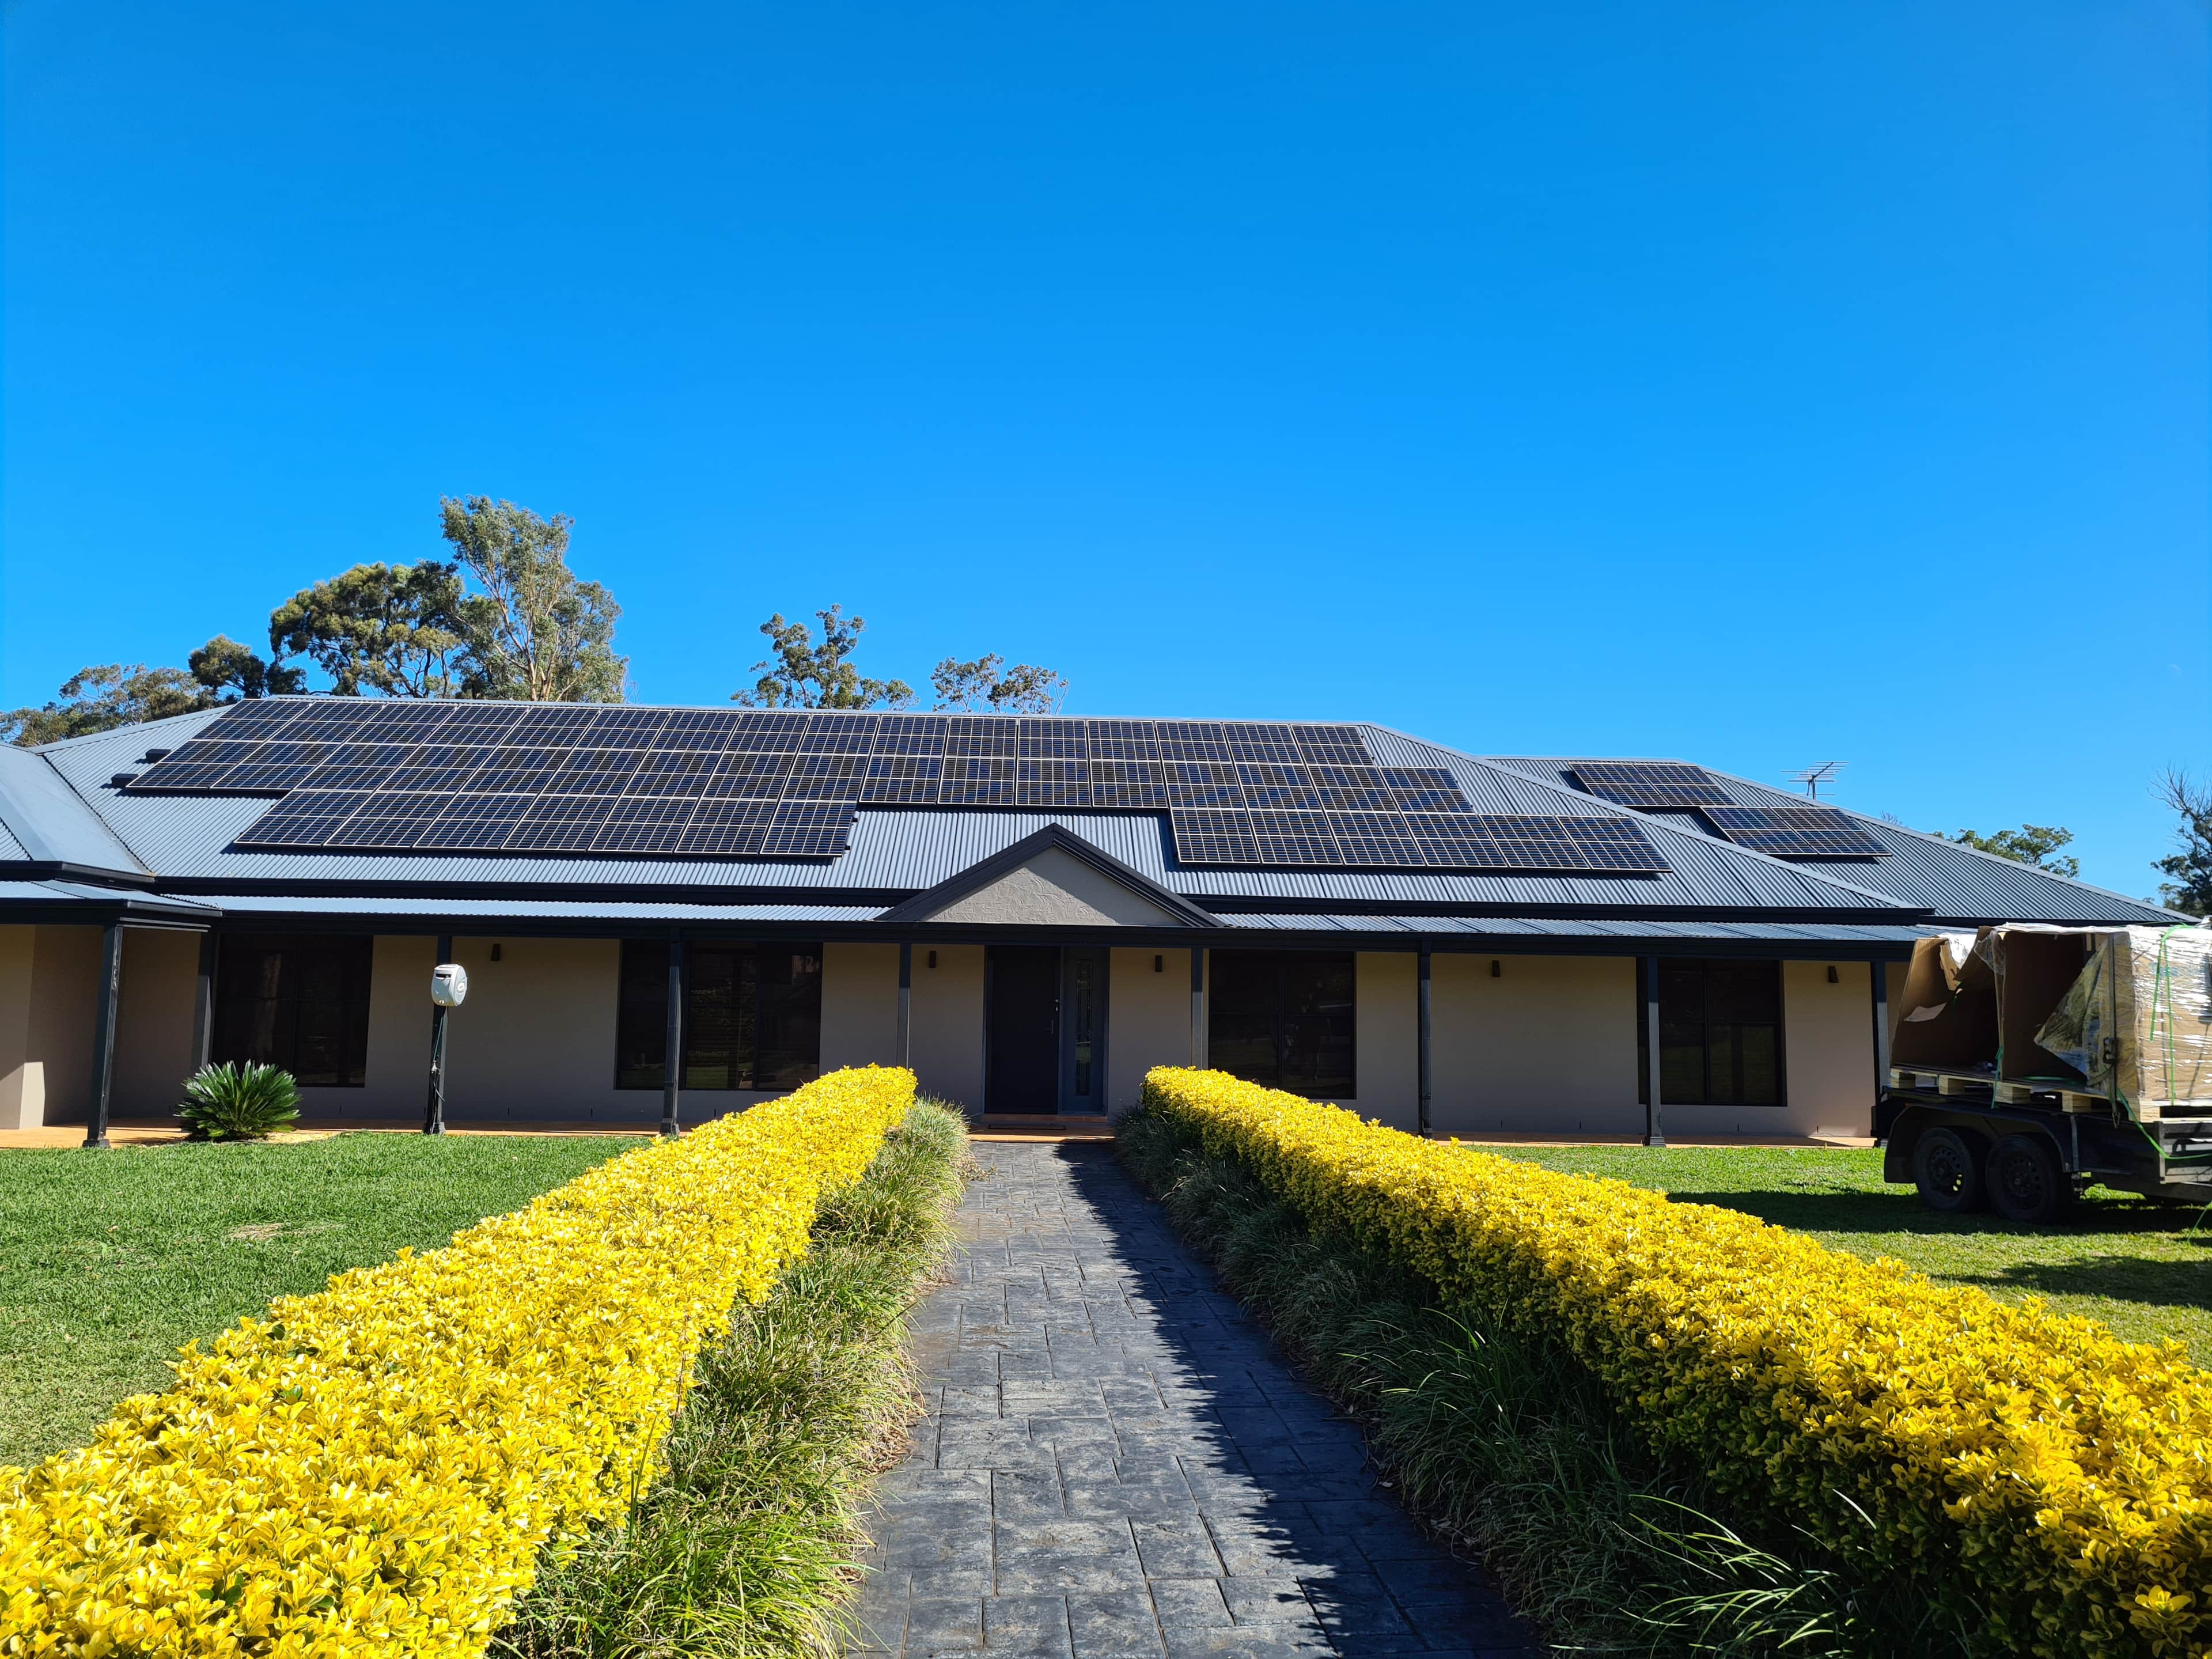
1991,1123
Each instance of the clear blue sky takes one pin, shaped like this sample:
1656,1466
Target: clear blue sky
1755,384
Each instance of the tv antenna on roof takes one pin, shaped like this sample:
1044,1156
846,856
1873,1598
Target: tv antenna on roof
1813,777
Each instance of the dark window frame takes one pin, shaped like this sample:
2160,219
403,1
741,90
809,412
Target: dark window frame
276,994
1675,1015
1301,1046
735,993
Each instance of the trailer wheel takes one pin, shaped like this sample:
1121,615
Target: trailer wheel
2025,1181
1947,1167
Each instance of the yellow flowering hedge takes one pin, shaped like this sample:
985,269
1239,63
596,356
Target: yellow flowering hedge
2049,1481
373,1469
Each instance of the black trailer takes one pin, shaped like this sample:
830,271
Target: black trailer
2030,1060
2027,1158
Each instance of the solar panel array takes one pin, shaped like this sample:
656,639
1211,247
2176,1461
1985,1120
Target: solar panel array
364,775
1660,784
1796,831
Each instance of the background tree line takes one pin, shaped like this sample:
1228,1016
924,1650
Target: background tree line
505,617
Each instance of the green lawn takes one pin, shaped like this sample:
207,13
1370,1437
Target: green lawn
110,1261
2130,1263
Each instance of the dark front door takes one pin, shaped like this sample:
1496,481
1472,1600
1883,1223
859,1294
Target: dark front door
1024,1071
1082,1029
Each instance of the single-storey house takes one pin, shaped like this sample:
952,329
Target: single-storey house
1029,911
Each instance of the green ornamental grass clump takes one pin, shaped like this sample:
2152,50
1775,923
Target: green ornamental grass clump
240,1102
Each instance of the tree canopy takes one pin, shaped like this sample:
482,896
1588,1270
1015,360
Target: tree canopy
100,699
394,629
2188,872
535,632
2032,844
802,673
988,683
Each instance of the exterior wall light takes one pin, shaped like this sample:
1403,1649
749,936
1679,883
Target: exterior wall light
932,958
1496,968
1833,979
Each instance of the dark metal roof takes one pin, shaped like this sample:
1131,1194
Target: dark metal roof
61,796
49,826
1958,885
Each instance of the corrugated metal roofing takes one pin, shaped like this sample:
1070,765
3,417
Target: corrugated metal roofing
1810,932
51,822
901,850
541,909
1959,883
186,838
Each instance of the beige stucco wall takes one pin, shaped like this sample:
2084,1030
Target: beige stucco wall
153,1021
1827,1059
1548,1047
860,1006
1056,889
58,1023
946,1034
23,1073
1387,1034
1148,1020
535,1041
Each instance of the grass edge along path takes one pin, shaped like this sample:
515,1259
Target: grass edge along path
749,1539
1509,1453
372,1470
2042,1481
111,1262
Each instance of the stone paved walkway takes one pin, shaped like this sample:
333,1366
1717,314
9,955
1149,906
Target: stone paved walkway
1116,1463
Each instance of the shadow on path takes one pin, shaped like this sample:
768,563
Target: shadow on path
1116,1463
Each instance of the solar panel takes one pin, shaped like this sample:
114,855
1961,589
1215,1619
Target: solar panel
1192,740
1373,840
1277,786
1127,783
1123,740
1203,783
1250,741
680,772
994,736
627,782
304,818
753,777
1211,835
1648,783
644,826
725,829
1424,789
807,829
848,734
1052,783
1331,745
824,777
1294,838
903,780
595,772
560,824
474,824
1054,739
1801,832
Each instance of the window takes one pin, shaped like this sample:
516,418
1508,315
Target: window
1284,1018
1720,1033
297,1000
752,1016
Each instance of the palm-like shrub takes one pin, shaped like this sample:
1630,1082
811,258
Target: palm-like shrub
243,1103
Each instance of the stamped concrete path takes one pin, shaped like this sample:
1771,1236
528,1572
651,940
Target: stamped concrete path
1116,1464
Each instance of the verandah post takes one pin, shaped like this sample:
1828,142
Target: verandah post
1197,1006
906,1003
103,1034
1653,1134
672,1070
1423,1118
